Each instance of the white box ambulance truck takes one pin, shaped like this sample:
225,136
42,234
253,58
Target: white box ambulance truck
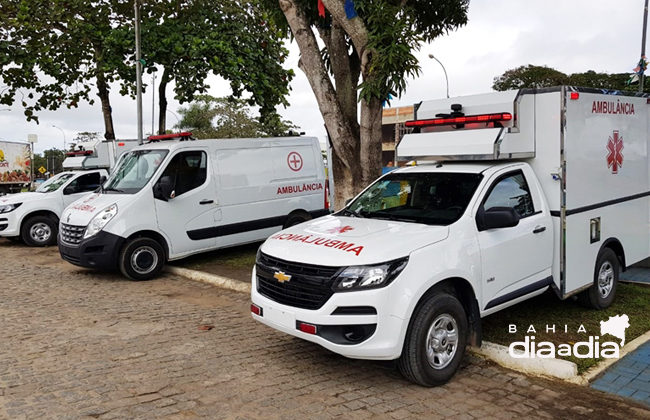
170,199
527,190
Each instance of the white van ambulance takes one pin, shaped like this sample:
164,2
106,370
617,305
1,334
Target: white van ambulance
33,217
169,199
527,190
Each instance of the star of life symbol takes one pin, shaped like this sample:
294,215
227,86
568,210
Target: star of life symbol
615,155
340,229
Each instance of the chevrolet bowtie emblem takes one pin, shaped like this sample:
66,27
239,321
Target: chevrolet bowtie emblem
281,277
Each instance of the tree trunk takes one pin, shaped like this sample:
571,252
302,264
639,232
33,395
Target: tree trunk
103,93
162,102
371,155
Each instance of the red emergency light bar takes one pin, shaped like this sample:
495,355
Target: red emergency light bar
80,153
185,134
485,118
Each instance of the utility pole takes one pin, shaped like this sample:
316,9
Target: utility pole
642,62
153,102
138,68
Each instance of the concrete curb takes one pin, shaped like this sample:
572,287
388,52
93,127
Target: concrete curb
550,368
212,279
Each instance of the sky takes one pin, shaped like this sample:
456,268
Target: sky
570,36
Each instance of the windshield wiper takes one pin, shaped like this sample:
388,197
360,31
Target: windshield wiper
346,212
384,216
113,189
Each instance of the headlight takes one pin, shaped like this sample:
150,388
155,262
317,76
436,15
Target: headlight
6,208
365,277
98,222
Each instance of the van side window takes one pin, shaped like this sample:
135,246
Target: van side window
511,191
188,170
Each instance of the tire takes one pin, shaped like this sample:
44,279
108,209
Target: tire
39,231
294,220
601,294
440,313
141,259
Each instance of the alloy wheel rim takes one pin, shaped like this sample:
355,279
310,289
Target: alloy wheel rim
605,279
40,232
442,341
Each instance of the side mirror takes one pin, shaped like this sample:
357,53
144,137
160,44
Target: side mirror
496,218
164,188
102,179
69,190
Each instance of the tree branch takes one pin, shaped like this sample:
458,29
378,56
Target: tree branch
354,28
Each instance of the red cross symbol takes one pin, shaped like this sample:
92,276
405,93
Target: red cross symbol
615,155
294,160
341,229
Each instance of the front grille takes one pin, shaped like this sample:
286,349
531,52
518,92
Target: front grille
309,288
72,234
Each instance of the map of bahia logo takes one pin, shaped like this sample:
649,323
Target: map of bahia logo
594,348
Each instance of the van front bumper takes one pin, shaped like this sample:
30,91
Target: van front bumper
379,336
100,251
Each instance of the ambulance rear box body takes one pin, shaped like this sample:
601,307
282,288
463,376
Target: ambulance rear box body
514,193
167,200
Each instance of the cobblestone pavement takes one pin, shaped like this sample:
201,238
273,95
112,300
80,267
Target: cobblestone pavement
75,344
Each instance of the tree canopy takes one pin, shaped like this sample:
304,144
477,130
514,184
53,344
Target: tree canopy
368,54
531,76
217,118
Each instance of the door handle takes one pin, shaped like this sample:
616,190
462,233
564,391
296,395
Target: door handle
206,201
539,229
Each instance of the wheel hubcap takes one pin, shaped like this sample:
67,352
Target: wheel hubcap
144,260
605,279
442,341
40,232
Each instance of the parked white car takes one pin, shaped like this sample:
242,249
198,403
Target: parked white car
33,217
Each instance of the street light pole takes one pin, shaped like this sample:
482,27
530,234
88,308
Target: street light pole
62,132
445,70
174,114
138,68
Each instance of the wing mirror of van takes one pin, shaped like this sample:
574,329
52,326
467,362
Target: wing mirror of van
496,218
102,179
164,189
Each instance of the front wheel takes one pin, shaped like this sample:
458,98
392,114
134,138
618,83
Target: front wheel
435,342
141,259
39,231
601,294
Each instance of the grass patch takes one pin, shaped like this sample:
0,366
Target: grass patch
547,309
235,257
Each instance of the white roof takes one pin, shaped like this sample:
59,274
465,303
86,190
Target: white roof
226,143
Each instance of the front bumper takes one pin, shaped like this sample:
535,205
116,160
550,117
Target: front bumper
9,224
384,343
100,251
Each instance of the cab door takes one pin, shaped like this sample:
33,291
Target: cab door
188,218
515,261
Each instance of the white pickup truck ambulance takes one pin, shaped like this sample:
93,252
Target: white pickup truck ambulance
526,190
33,217
170,199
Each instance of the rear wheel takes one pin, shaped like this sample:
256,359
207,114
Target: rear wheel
435,342
601,294
295,220
141,259
39,231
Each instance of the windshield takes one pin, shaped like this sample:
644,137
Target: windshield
54,183
430,198
134,171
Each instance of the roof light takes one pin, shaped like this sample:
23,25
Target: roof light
575,95
485,118
120,144
185,134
